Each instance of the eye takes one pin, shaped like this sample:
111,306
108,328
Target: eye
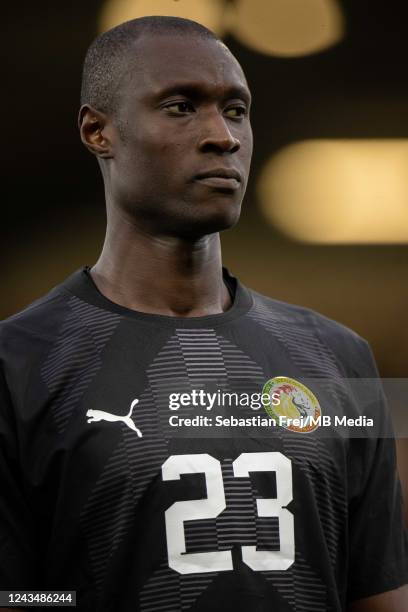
236,112
179,108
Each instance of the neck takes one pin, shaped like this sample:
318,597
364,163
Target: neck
161,274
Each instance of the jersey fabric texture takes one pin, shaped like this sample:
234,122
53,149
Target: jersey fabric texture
96,497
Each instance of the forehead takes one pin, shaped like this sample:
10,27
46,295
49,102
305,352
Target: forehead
160,62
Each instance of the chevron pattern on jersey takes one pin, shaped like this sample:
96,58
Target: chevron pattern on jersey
316,360
236,524
308,352
191,587
187,361
310,592
300,585
161,592
196,358
312,457
170,592
192,359
75,358
110,509
108,512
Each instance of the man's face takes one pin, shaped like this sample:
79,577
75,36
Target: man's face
181,164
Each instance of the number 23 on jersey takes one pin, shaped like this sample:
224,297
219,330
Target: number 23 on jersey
214,504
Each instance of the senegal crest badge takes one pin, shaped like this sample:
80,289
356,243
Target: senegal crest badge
291,404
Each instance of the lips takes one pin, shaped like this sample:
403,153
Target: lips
220,178
228,173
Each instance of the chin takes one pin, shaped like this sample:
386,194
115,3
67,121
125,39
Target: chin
193,220
213,219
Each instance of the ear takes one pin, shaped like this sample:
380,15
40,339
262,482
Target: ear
96,131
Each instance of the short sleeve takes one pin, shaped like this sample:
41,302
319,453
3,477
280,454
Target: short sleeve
377,535
18,562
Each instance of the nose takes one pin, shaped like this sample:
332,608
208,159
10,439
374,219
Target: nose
217,137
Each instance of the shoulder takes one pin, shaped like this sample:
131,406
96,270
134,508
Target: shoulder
42,317
306,328
36,318
25,335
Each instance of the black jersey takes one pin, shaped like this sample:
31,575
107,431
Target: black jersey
98,495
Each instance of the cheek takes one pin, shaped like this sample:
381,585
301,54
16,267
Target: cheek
154,150
248,142
150,166
245,153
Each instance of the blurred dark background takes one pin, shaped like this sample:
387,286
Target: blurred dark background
53,211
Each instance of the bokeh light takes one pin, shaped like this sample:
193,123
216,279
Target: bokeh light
338,191
287,28
209,13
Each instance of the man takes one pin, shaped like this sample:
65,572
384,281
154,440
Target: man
98,494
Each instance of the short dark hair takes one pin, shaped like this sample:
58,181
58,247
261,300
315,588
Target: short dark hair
106,56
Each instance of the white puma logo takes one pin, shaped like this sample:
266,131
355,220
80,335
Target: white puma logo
101,415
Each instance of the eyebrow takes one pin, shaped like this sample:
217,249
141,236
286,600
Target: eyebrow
197,90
